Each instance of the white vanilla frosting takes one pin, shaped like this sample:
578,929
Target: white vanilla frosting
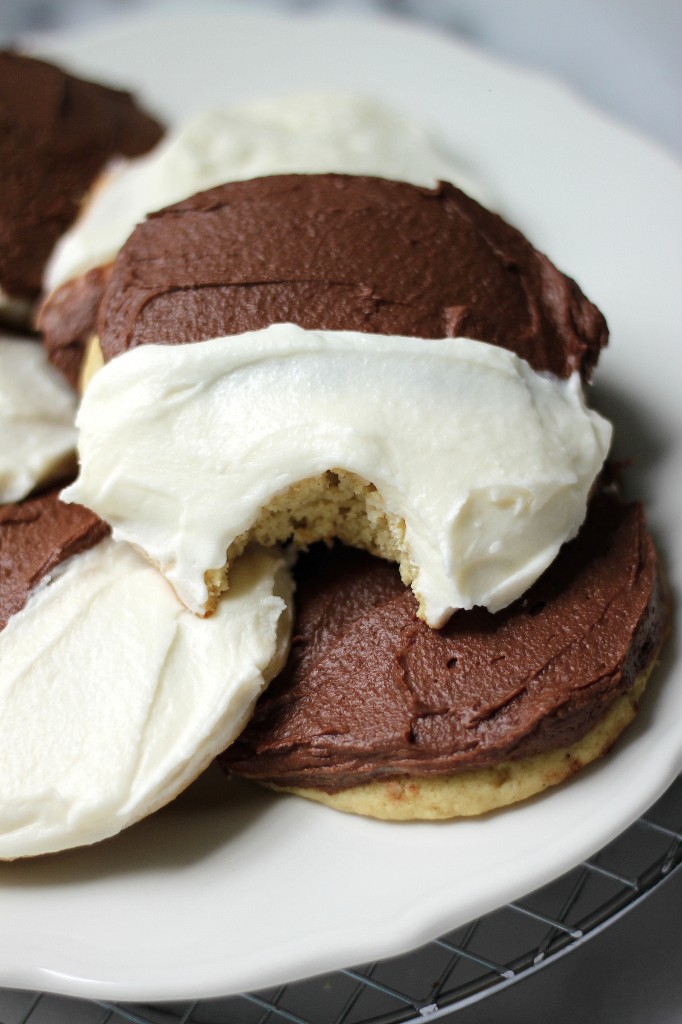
488,463
309,133
37,413
113,697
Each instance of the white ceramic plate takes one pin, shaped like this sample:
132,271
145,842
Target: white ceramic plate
232,888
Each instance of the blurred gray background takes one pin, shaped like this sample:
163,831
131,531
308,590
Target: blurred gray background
622,54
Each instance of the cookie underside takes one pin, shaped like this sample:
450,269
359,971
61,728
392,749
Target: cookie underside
477,791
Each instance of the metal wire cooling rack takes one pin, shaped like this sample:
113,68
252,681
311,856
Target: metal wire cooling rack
468,963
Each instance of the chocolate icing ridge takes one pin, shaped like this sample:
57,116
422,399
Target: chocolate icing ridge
66,319
57,132
36,536
370,692
345,252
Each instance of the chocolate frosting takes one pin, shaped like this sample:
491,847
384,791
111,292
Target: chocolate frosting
67,320
56,133
370,692
36,535
340,252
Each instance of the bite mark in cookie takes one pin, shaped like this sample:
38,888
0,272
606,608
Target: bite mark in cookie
452,457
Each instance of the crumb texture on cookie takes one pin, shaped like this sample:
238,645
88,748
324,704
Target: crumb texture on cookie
283,433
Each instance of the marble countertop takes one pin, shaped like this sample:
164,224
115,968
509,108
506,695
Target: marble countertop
623,55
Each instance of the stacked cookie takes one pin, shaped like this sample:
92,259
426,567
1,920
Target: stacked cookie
303,132
113,696
57,134
110,702
377,711
382,367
